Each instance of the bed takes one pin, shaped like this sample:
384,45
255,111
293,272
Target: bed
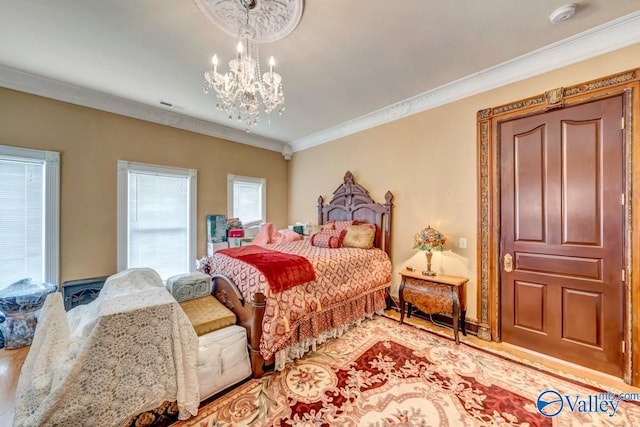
350,284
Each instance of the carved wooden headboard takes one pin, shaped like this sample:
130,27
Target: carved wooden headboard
351,201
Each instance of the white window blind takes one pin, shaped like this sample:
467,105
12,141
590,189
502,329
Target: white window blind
247,199
28,215
156,218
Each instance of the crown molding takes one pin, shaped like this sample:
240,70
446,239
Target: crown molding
605,38
41,86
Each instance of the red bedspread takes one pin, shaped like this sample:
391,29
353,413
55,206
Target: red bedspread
282,270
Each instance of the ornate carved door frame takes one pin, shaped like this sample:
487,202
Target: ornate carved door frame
626,83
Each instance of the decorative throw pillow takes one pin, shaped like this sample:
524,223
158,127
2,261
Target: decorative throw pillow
342,225
360,236
328,238
328,226
289,235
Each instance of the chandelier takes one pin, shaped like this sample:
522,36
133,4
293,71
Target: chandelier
243,92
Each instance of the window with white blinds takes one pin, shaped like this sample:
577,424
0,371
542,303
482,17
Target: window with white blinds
247,199
156,218
29,215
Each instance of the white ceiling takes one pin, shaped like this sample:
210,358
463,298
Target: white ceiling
349,64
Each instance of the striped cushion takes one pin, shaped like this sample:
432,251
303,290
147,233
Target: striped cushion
328,238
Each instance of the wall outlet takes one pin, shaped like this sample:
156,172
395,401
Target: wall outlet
463,243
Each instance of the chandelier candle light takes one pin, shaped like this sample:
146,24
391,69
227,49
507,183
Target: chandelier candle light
429,239
241,92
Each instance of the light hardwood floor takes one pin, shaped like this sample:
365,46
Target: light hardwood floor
10,365
11,362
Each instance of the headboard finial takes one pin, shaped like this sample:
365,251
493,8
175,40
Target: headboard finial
348,177
388,197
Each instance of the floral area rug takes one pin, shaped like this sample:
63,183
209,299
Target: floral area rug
386,374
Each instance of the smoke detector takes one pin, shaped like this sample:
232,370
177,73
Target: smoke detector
562,13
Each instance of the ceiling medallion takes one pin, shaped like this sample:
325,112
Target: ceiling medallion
271,19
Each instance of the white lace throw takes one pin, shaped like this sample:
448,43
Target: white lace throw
102,363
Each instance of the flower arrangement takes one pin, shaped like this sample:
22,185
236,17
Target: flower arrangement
233,223
429,239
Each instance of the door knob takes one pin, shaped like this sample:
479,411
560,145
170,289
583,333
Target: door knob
508,263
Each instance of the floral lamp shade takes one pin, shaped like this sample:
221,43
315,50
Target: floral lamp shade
429,239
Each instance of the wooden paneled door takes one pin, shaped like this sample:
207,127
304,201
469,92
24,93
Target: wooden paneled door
562,225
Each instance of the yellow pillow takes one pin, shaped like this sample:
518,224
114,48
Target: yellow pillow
360,236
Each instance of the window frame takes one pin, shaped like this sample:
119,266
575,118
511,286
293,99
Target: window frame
51,205
124,167
231,180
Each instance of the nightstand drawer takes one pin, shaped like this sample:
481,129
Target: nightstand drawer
432,299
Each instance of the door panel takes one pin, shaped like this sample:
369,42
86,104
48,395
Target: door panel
530,303
529,197
581,183
560,265
583,325
562,222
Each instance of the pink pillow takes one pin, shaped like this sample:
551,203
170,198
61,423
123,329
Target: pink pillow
328,238
268,234
289,235
342,225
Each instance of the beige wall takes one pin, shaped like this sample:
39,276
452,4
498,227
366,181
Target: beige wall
428,161
91,142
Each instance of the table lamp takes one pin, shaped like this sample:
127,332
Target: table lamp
429,239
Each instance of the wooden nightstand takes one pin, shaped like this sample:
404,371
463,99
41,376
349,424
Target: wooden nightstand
435,294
